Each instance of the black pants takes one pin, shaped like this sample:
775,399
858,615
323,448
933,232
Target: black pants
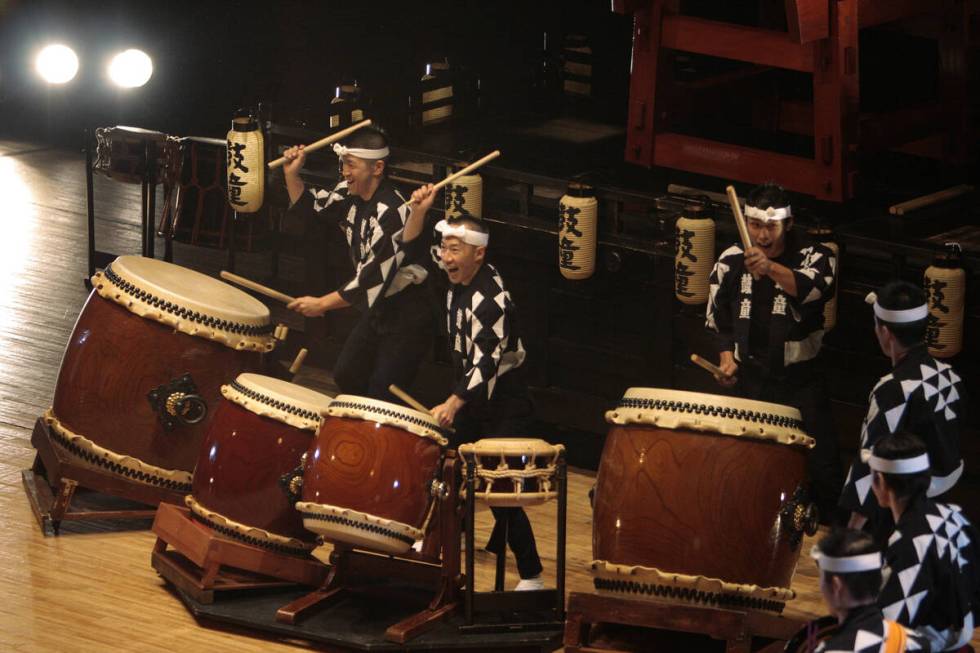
507,414
386,346
805,389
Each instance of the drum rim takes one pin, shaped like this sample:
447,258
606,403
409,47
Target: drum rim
249,534
511,446
636,578
413,421
249,389
380,529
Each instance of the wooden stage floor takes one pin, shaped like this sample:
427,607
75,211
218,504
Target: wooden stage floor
92,588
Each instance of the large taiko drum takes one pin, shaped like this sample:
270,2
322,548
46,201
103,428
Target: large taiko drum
257,437
147,358
369,473
513,472
699,498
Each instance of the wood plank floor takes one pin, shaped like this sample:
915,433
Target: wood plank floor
92,588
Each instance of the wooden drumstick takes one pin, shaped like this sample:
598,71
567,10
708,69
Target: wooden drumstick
323,142
414,403
707,365
743,231
298,361
465,171
257,287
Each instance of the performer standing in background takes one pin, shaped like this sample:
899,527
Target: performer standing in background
920,394
930,575
765,308
850,576
491,397
395,329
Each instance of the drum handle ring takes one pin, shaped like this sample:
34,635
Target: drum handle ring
177,402
292,481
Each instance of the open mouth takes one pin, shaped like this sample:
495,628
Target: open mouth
452,271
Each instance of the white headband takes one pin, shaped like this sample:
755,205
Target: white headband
468,236
847,565
897,317
360,152
898,466
768,214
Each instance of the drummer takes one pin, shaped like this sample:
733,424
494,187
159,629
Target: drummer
850,576
765,309
490,397
395,328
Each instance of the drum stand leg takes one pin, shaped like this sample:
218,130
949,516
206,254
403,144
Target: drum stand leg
350,567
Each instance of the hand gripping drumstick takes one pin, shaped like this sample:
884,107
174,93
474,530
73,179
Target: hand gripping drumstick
257,287
465,171
323,142
412,401
706,365
743,231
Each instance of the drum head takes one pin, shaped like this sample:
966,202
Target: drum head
382,412
262,394
511,447
676,409
191,290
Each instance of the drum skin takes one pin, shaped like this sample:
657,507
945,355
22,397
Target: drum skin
695,503
237,475
114,358
373,468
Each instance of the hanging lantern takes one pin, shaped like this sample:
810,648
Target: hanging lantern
464,197
437,93
578,216
246,164
694,254
945,286
825,235
346,106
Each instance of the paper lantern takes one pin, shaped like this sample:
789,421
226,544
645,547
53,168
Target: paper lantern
246,164
945,286
694,254
578,214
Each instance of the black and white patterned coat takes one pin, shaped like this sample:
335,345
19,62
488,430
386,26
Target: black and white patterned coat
373,230
923,396
930,574
483,334
796,329
865,631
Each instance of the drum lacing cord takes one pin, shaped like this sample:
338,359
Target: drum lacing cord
714,411
185,313
371,528
688,594
275,403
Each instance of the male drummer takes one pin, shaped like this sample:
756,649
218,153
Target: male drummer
765,308
490,397
394,331
931,580
850,576
921,394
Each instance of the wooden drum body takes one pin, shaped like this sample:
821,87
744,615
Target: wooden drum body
257,436
513,472
698,498
147,358
368,475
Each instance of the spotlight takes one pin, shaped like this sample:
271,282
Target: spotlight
131,68
56,64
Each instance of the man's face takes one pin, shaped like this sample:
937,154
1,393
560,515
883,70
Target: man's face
359,173
769,235
460,259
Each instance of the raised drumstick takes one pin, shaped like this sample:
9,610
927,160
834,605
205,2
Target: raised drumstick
413,402
706,365
465,171
323,142
257,287
743,231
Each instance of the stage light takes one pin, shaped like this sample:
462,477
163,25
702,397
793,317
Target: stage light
57,64
131,68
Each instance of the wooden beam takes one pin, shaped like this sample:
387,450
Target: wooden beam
807,20
734,162
876,12
761,46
